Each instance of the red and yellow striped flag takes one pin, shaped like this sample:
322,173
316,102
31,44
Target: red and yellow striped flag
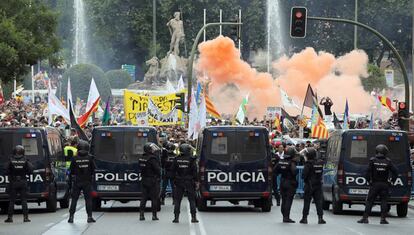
319,130
385,101
278,127
210,107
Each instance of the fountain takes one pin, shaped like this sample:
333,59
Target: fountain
80,40
275,43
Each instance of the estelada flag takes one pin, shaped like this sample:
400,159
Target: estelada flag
319,130
211,109
385,101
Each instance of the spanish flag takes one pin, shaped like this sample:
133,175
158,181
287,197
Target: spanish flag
385,101
210,107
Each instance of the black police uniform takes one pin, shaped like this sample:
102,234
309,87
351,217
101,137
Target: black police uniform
378,175
185,177
150,183
312,177
288,183
276,194
16,169
167,161
82,174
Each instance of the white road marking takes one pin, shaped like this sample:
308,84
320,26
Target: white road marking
354,231
191,225
49,224
65,215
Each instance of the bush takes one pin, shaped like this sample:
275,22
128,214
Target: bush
376,79
80,80
118,79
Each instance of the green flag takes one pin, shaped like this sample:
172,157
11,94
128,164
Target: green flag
107,114
242,112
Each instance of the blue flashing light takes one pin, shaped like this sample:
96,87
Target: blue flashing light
215,134
354,137
256,134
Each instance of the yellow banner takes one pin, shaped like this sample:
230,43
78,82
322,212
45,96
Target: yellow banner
135,103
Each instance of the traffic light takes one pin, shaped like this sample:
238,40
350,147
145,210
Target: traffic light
298,22
180,101
235,33
403,115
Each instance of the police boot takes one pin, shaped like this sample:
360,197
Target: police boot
26,219
364,220
141,216
321,220
383,221
70,220
278,202
91,220
162,201
9,220
288,220
154,216
176,220
194,218
304,220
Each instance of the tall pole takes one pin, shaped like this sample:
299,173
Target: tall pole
239,41
356,27
154,26
33,84
221,20
412,60
204,24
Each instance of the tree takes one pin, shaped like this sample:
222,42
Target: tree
80,79
376,79
27,34
118,79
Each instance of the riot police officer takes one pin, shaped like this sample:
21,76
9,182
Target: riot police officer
16,169
288,183
312,177
150,183
167,159
185,177
82,174
378,173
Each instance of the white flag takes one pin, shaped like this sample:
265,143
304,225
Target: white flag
55,107
201,118
69,99
286,100
93,97
192,117
180,85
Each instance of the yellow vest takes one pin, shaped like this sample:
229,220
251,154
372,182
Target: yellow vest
70,148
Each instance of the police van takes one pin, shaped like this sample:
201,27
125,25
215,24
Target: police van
348,154
43,148
116,150
234,165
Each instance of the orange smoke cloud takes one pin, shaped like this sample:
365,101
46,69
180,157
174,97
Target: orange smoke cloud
233,78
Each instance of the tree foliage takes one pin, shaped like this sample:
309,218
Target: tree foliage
27,34
118,79
376,79
80,79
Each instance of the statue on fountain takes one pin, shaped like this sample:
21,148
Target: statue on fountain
172,65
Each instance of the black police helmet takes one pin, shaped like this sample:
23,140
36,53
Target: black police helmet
18,150
310,153
83,146
186,150
151,148
290,152
381,150
170,147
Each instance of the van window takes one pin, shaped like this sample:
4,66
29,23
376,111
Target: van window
361,151
107,147
252,147
30,146
219,146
